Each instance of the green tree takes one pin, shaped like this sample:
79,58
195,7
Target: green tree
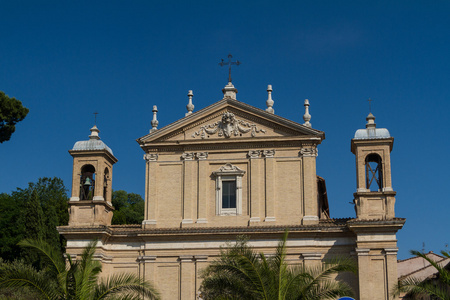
76,280
11,112
17,215
241,273
129,208
436,288
11,230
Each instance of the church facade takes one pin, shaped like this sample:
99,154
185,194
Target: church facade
232,169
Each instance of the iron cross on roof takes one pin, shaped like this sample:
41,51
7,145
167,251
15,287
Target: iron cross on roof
229,63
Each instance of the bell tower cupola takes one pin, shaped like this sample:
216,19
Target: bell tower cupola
90,202
374,197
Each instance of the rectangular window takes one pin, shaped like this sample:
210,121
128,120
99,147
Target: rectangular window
229,194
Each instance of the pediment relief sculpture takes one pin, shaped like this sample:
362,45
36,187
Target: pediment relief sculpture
227,127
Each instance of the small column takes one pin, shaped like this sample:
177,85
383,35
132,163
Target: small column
151,193
270,170
187,277
307,116
310,205
202,187
154,121
255,197
190,107
189,186
269,101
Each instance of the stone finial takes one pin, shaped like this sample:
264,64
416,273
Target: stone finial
229,91
370,121
307,116
269,101
190,106
154,121
94,133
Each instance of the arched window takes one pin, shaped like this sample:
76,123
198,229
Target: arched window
105,183
87,182
374,175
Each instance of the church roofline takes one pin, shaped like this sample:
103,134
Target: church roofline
234,103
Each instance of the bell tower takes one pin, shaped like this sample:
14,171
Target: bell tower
374,197
90,203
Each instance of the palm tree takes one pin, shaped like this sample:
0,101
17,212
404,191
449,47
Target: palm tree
436,288
77,280
241,273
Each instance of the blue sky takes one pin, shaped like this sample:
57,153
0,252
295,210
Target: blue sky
66,59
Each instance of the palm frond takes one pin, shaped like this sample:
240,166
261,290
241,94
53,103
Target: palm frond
18,275
125,286
52,258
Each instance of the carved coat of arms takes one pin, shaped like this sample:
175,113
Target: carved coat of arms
227,127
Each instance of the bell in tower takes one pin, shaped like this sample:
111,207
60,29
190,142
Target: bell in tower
90,203
374,197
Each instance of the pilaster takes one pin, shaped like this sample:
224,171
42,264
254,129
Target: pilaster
310,205
255,181
151,200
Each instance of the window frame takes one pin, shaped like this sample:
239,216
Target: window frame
228,172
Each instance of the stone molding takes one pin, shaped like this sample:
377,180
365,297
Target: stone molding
362,251
253,153
146,258
188,156
186,258
201,155
309,152
151,157
268,153
311,256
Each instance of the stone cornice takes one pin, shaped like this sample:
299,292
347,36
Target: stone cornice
92,153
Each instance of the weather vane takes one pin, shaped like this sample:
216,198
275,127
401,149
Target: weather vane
370,105
229,63
95,118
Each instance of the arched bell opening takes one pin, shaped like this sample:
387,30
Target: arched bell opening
374,173
87,182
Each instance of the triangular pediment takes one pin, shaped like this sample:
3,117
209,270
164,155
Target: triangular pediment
229,120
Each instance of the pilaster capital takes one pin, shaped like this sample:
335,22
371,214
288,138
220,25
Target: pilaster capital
308,152
362,251
253,153
311,256
187,156
201,155
186,258
151,157
391,251
201,258
268,153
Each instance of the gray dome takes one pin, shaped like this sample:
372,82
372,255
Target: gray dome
372,134
94,143
91,145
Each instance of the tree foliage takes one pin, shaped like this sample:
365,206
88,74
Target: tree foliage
129,208
11,112
76,280
21,215
436,288
241,273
